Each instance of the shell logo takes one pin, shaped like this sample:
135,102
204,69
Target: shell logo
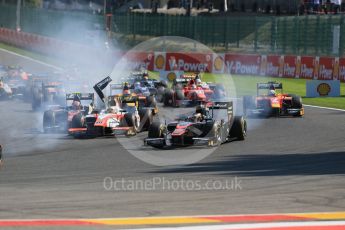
171,76
159,62
218,63
323,89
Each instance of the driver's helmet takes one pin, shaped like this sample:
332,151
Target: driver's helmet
198,81
201,109
76,102
126,90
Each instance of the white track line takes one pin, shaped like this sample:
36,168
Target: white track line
321,107
255,226
31,59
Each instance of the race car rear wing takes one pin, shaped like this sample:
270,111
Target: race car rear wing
268,85
226,105
82,96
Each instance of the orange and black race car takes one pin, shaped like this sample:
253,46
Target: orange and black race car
269,102
62,118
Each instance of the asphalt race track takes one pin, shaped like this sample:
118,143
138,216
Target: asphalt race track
285,165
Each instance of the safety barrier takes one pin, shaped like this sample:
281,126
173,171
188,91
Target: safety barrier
290,66
286,66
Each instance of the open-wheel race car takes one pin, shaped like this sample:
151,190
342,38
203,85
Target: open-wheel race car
142,84
190,91
126,113
62,118
210,125
47,93
268,102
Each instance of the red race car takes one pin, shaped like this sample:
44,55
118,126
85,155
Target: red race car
187,92
269,102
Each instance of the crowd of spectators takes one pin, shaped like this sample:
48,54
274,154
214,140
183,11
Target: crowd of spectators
322,6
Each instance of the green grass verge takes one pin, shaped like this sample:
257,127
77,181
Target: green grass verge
31,54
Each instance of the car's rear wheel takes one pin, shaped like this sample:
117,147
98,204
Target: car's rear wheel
78,121
37,100
239,128
296,104
146,118
156,130
151,101
132,121
168,97
160,93
48,120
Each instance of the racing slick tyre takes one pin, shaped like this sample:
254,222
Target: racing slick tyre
146,118
296,103
160,93
78,121
131,120
151,102
156,130
239,128
168,98
37,100
216,135
61,118
179,95
48,120
163,84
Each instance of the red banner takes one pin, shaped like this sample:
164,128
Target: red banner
274,66
289,67
139,60
342,69
195,62
242,64
326,68
306,69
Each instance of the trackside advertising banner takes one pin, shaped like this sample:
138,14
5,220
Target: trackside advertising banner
307,67
342,69
189,62
272,65
242,64
138,60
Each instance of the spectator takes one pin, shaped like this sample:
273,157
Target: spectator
301,7
316,6
335,5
